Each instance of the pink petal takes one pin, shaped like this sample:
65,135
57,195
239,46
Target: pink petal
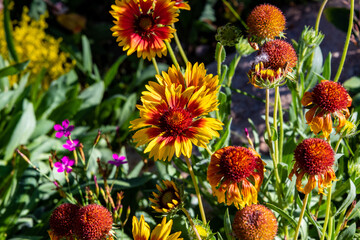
70,163
58,164
65,160
59,134
121,158
65,123
58,127
115,156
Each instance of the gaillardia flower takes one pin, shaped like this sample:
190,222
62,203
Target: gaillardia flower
62,221
174,119
265,22
144,25
168,199
141,230
195,76
327,100
255,222
93,222
314,158
274,62
235,175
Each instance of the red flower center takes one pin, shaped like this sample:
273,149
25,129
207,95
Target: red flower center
315,156
175,120
330,96
237,163
144,24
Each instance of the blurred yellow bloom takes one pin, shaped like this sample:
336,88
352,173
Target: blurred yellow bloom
43,51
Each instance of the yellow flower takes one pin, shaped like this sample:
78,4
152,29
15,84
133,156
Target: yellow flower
32,43
168,199
141,230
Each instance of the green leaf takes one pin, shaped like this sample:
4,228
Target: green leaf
65,110
92,95
8,31
349,199
274,135
128,109
5,98
316,67
13,69
111,73
353,84
87,58
225,136
348,233
222,55
227,225
23,130
283,214
327,67
124,183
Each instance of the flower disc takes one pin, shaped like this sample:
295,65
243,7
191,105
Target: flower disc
255,222
278,54
61,220
331,96
266,22
314,156
93,222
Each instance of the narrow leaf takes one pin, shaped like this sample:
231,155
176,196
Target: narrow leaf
13,69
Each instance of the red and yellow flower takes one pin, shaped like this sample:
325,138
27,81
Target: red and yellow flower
235,175
144,25
173,114
314,158
168,199
328,100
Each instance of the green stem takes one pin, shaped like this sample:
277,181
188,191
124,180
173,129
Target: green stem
301,216
237,60
172,54
155,66
331,225
327,216
208,150
276,142
347,41
191,223
219,60
319,15
281,130
197,191
268,129
181,50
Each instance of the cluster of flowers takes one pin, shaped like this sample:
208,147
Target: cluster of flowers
32,43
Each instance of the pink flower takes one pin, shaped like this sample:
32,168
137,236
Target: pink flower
71,145
65,165
118,160
64,130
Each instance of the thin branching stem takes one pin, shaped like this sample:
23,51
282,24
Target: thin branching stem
155,66
317,23
172,54
178,43
191,223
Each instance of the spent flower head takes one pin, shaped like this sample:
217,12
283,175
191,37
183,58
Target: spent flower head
64,165
314,158
328,100
62,220
93,222
71,145
235,175
255,222
118,160
265,22
64,129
